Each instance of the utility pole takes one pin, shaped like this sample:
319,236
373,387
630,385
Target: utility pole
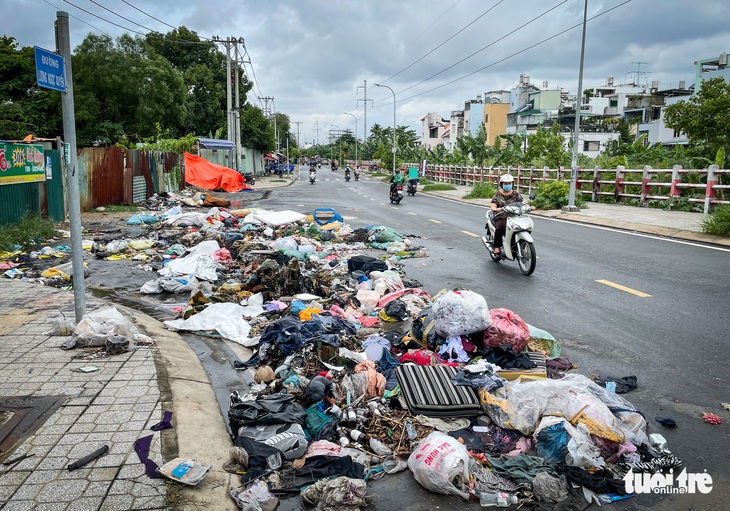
63,47
353,116
316,130
229,100
266,100
237,116
578,100
298,123
364,86
638,72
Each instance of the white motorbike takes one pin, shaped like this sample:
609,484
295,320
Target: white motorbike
517,242
312,175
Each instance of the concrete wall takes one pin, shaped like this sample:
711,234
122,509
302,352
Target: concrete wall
495,120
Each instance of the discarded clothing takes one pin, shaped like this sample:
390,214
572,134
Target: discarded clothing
548,488
341,493
142,448
506,358
601,481
623,385
164,423
322,467
272,409
453,350
376,381
486,380
521,468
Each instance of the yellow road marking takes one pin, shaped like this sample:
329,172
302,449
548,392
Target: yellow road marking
412,213
623,288
470,234
435,221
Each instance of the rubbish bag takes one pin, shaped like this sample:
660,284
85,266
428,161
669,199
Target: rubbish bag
506,328
460,313
441,464
256,497
397,310
341,493
287,438
383,234
552,443
96,327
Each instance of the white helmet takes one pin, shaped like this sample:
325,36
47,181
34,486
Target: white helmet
506,178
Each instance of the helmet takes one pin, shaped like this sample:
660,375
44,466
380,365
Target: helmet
506,178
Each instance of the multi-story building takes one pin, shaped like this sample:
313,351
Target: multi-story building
711,68
456,128
434,130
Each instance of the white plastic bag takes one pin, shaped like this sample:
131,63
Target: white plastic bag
441,464
224,318
460,313
97,326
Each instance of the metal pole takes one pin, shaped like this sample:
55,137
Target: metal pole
578,100
237,117
353,116
394,143
63,47
229,99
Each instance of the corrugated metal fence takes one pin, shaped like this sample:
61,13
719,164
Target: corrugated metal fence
107,175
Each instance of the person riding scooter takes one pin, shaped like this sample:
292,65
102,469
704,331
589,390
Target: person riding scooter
347,173
412,180
505,195
357,172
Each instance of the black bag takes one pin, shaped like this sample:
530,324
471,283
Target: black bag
365,264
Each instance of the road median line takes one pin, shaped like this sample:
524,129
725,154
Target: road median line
624,288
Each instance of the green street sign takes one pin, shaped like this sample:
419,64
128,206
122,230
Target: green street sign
21,163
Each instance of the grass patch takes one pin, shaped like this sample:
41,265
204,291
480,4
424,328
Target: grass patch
120,208
718,223
278,180
29,230
481,191
438,187
554,195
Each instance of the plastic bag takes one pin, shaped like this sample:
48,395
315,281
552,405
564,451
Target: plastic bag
441,464
368,299
255,498
506,328
460,313
225,318
96,327
383,234
285,244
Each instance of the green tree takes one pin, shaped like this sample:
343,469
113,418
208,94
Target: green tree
24,107
256,130
705,118
546,147
125,86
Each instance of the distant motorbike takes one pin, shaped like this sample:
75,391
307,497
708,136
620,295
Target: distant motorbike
396,194
250,179
412,187
347,174
312,175
517,242
357,175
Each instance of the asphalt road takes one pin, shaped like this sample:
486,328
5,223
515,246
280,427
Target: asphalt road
675,340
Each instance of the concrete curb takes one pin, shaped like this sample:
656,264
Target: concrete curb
186,390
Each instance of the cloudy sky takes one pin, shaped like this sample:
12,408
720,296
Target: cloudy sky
313,56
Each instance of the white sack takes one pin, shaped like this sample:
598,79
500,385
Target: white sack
224,318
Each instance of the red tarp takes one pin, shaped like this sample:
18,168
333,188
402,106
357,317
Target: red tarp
209,176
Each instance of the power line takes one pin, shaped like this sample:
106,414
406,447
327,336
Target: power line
516,53
424,31
103,19
77,18
485,47
146,14
446,41
119,15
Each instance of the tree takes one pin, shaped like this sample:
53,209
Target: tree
123,87
256,130
705,118
24,107
545,147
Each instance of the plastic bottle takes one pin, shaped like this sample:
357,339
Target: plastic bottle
411,431
344,441
496,499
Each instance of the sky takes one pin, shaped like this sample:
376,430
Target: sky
314,56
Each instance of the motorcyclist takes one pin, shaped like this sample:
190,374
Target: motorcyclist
413,176
357,171
347,170
396,180
505,195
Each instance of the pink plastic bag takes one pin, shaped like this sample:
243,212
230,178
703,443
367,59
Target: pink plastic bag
506,328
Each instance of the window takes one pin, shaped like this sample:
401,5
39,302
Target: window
614,102
433,133
677,134
486,118
591,145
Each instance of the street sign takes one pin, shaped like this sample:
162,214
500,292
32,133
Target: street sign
21,163
50,71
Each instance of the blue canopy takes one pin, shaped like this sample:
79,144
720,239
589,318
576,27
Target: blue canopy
214,143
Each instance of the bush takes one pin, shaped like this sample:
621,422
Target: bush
481,191
718,222
554,195
436,188
29,230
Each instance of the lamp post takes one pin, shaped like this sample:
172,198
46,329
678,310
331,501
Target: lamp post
394,144
353,116
340,139
578,100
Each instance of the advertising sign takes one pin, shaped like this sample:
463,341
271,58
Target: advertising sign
50,71
21,163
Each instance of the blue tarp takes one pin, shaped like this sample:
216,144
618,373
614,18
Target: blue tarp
214,143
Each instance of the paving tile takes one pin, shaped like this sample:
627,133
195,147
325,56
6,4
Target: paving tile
133,426
103,428
20,505
132,471
72,438
61,450
14,477
97,489
121,487
103,474
84,427
28,491
121,447
51,506
58,463
111,460
86,504
40,440
117,503
62,491
80,473
115,417
43,476
149,502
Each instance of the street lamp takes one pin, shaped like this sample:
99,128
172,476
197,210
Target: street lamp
578,100
340,138
353,116
394,145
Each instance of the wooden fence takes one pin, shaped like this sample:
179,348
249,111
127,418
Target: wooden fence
699,186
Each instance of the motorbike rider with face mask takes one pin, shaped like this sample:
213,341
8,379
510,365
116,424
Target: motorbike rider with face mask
505,195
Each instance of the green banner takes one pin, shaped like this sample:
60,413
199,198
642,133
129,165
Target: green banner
21,163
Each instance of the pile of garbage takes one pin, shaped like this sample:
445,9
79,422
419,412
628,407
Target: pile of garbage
356,372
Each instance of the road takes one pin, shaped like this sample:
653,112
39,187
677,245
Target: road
666,323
